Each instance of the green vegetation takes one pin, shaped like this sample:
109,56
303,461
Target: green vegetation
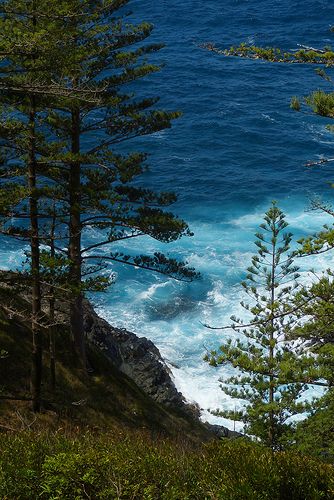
102,437
272,371
273,54
311,308
65,109
105,401
314,436
120,466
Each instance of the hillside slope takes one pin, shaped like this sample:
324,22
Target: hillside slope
104,400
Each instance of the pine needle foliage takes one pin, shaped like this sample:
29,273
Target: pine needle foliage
269,375
313,303
25,85
98,181
273,54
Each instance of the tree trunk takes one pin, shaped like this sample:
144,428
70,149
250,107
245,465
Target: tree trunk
36,368
271,433
52,347
36,375
52,301
76,312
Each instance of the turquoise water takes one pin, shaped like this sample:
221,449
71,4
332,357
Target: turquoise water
237,147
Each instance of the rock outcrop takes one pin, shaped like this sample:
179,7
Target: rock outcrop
141,360
138,358
222,432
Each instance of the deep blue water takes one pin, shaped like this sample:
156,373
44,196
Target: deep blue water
237,147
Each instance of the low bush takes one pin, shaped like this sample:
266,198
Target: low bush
57,467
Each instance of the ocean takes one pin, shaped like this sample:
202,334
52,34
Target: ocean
237,147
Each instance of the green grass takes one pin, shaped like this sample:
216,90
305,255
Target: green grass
118,444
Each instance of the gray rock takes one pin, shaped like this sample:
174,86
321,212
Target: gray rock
135,356
138,358
141,360
223,432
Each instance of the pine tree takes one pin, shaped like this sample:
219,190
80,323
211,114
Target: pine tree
316,303
315,309
63,115
313,306
99,182
34,35
26,79
314,300
270,376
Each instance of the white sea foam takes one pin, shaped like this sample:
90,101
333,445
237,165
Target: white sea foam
268,117
12,259
198,386
249,221
148,294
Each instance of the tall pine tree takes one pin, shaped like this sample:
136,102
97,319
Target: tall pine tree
63,116
269,373
313,306
99,182
28,59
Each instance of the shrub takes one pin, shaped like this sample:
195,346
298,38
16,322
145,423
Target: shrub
133,467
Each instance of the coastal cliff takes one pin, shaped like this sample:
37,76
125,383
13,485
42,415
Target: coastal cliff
138,358
127,369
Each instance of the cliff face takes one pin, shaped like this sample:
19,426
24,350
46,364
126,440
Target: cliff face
141,360
138,358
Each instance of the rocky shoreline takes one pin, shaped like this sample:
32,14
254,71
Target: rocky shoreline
138,358
141,360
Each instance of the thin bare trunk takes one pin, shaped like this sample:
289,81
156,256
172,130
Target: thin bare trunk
271,351
52,349
76,314
36,376
52,301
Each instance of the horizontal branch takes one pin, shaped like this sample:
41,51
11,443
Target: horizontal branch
261,322
140,266
107,242
14,398
318,162
273,55
25,316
